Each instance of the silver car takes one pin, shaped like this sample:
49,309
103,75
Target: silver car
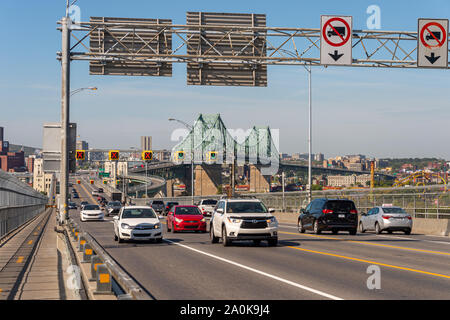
386,218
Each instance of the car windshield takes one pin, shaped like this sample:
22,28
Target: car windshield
172,204
72,203
138,213
91,207
114,203
393,210
246,207
209,202
158,202
187,210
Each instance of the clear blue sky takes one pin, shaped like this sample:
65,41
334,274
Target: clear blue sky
380,113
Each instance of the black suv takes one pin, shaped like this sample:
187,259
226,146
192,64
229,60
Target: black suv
158,205
329,215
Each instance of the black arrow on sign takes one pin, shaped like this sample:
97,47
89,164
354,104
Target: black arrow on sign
432,59
336,56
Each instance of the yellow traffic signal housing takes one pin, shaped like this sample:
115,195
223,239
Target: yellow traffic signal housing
80,154
114,155
212,155
78,181
179,155
91,181
105,182
147,155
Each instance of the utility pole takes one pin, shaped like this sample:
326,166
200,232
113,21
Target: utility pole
65,109
310,137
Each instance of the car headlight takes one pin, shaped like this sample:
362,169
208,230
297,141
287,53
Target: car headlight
157,226
125,226
203,220
234,220
178,220
271,220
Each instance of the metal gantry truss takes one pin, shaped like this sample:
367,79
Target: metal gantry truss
283,46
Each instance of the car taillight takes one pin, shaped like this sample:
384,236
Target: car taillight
386,217
354,211
409,217
327,211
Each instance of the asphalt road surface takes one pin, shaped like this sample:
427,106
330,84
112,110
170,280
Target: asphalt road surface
302,266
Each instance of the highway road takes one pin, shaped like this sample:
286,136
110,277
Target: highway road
302,266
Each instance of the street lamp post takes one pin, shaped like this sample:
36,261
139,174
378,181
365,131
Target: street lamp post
192,156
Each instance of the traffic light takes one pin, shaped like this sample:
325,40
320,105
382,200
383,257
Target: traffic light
180,155
212,155
147,155
78,181
105,182
91,181
114,155
80,154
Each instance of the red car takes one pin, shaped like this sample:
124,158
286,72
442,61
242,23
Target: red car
185,218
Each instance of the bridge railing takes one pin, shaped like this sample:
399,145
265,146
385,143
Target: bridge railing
18,203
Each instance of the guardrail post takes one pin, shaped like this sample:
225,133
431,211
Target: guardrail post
87,253
95,262
104,285
81,242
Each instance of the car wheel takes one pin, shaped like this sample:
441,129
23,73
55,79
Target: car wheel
408,231
225,241
316,227
377,228
352,232
273,242
168,229
256,242
120,239
214,239
361,228
390,231
300,226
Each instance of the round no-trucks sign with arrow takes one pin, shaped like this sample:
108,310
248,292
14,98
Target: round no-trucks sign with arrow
336,40
432,43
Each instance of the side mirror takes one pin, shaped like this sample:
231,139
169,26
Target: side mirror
271,210
219,211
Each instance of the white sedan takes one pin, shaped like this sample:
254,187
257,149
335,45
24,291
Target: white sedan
91,212
137,223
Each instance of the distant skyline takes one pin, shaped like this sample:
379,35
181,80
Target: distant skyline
381,113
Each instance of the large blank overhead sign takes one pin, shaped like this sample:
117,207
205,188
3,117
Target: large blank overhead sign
336,40
226,42
131,44
432,43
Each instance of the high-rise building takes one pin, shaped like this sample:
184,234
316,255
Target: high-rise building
82,145
10,161
146,143
319,157
1,133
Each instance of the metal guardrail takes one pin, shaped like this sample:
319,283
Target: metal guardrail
101,260
18,203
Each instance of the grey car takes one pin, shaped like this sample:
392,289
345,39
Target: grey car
158,206
113,207
386,218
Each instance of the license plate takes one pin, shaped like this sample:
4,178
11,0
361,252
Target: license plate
341,216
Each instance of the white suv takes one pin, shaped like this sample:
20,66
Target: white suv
243,219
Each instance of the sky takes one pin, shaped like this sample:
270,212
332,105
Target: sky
377,112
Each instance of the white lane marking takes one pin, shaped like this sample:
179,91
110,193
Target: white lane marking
259,272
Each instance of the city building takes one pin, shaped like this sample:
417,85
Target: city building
10,161
319,157
355,166
30,163
348,181
82,145
146,143
42,181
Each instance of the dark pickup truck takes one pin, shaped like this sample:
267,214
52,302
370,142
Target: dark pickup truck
157,205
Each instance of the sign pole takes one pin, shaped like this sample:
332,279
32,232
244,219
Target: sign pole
65,103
